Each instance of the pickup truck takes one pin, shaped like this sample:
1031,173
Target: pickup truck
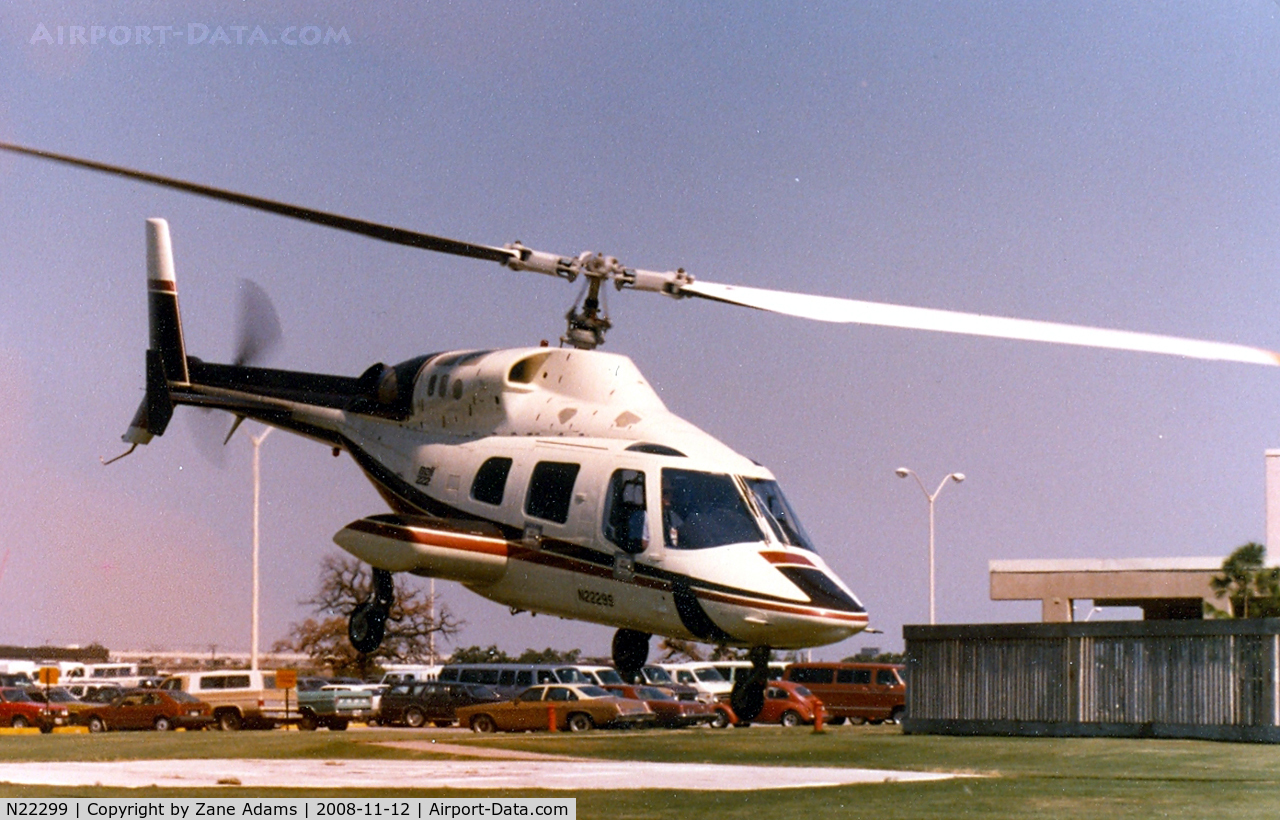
320,704
250,699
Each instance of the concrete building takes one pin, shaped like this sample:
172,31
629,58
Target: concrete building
1163,588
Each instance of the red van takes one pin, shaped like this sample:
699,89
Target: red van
859,692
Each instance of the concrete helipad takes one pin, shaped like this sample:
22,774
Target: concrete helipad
573,774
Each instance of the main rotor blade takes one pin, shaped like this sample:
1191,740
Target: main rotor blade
833,309
387,233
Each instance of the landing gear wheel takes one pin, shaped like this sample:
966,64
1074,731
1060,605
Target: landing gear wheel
630,651
747,698
368,622
367,625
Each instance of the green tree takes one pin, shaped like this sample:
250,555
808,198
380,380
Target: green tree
1251,588
549,655
476,654
492,654
344,583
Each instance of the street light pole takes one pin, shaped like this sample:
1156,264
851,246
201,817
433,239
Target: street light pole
903,472
257,485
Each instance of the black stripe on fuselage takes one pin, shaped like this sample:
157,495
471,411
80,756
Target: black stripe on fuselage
598,563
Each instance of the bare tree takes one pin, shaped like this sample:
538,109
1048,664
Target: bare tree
675,650
345,583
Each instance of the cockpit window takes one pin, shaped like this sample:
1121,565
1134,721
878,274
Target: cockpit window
782,520
701,510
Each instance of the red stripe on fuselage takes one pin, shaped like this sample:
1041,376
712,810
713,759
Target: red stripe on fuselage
464,542
792,558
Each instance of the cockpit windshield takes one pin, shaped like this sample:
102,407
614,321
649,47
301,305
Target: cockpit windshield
773,505
701,510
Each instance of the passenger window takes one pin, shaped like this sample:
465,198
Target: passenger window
625,523
491,480
524,678
862,676
844,676
885,677
507,678
546,676
551,490
803,675
560,693
532,694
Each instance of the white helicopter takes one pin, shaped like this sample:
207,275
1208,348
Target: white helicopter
554,480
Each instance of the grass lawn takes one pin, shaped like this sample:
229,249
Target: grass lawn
1019,777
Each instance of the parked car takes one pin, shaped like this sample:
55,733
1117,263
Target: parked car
414,704
672,713
95,692
788,704
657,676
576,707
61,696
149,709
18,710
858,692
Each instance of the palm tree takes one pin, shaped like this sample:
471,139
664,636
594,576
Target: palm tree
1252,588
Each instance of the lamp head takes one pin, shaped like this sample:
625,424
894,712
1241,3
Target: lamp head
957,477
902,472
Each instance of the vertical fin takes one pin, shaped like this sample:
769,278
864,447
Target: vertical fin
167,354
162,303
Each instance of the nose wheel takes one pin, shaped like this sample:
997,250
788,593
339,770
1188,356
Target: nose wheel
368,621
747,698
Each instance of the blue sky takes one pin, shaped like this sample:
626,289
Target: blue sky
1108,164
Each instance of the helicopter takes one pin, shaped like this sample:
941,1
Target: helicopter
554,480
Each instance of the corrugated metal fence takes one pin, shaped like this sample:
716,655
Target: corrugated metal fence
1207,679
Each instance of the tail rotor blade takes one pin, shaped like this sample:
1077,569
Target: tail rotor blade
258,327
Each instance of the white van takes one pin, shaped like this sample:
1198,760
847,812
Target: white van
733,670
409,673
601,675
702,676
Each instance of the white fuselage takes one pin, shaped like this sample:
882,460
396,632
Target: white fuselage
556,481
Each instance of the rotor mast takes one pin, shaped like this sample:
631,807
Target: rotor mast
588,324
